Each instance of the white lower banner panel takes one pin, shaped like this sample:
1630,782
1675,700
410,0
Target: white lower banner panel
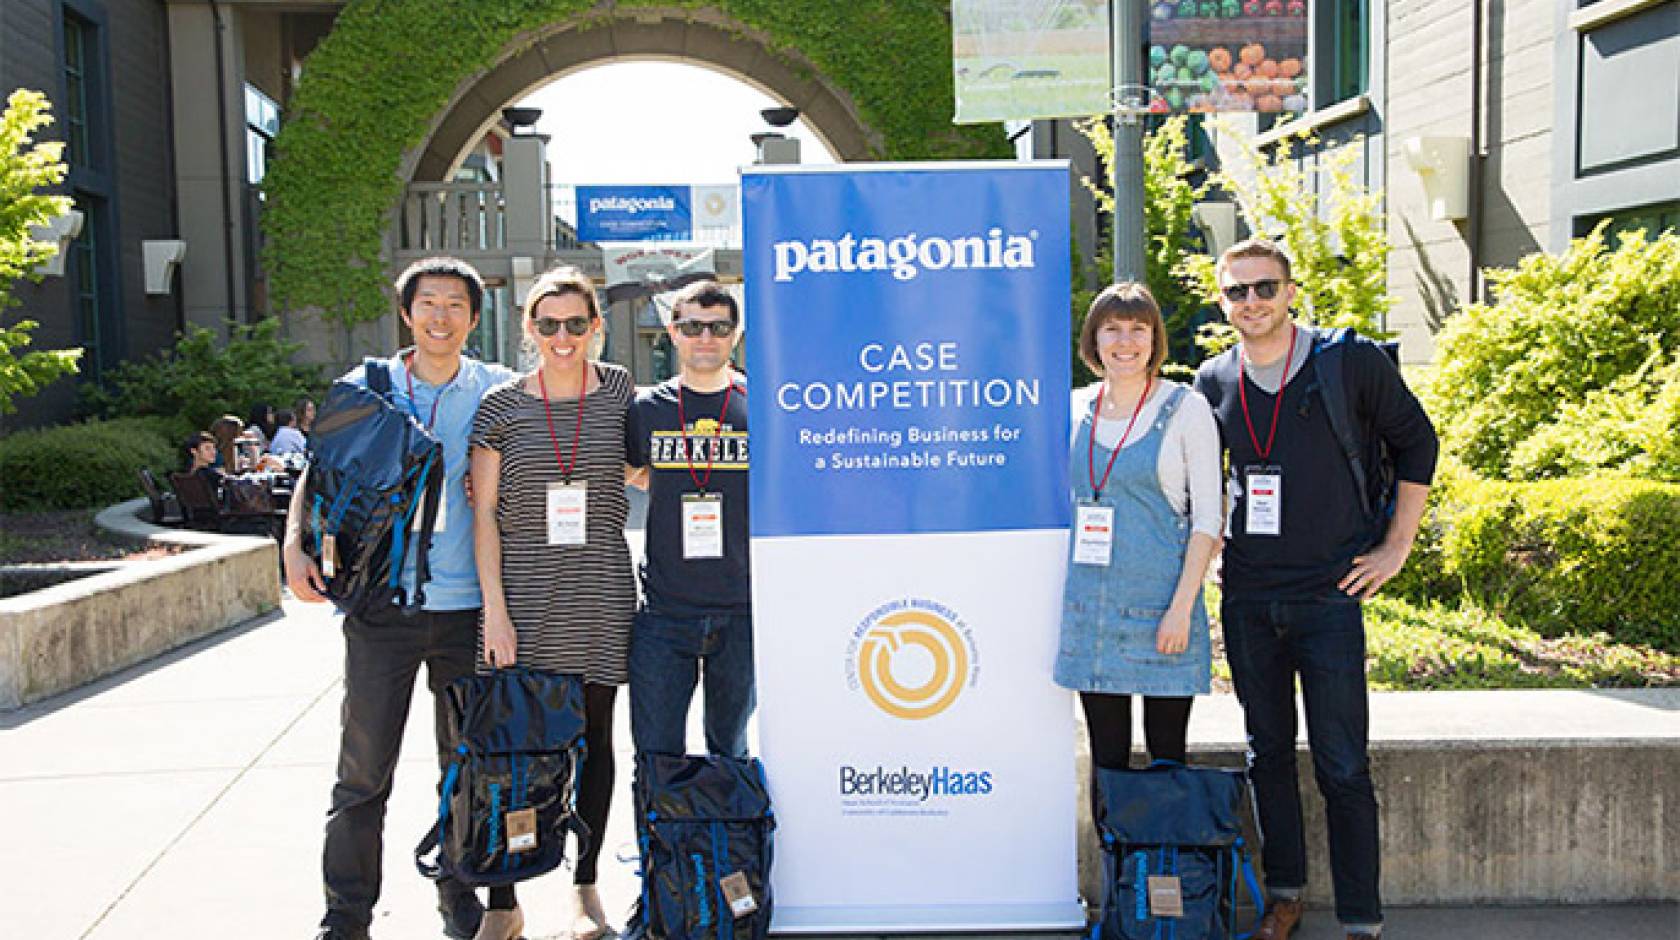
919,756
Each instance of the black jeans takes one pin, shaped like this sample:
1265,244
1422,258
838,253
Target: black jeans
383,652
1269,643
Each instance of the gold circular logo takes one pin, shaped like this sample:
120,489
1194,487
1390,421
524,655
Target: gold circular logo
899,640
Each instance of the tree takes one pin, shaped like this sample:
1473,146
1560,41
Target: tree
1332,226
25,167
1169,196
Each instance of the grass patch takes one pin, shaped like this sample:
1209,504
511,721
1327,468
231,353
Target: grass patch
1413,648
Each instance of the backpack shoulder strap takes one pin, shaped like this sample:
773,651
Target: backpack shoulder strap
378,376
1330,367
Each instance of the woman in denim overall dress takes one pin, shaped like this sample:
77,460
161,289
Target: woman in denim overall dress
1147,514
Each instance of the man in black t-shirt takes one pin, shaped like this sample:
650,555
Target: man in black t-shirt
1303,549
690,434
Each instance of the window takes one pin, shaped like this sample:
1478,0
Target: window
78,43
1342,51
262,123
1655,220
85,279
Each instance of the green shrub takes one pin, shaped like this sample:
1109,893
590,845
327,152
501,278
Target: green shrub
83,465
1561,557
1630,428
1558,348
203,378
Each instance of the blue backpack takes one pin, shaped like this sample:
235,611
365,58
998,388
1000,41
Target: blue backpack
372,467
704,824
1173,853
509,794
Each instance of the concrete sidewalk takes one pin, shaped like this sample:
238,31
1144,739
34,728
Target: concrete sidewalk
185,798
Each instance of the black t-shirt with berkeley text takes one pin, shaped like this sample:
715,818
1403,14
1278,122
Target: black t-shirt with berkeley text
678,456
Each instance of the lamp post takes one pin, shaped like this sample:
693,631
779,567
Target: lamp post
774,147
1126,20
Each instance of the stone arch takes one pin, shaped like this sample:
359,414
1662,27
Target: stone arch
702,38
397,85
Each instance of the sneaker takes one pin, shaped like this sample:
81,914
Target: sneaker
1280,920
461,912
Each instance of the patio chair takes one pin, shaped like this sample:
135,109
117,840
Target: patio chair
165,509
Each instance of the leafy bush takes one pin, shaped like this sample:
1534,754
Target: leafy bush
202,378
1561,557
83,465
1577,351
1629,428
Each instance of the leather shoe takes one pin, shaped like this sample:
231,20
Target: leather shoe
1280,920
342,933
501,925
462,912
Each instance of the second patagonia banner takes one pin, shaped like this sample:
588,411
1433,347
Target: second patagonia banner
909,362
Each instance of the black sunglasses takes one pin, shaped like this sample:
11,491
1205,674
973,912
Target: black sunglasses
692,329
550,326
1265,290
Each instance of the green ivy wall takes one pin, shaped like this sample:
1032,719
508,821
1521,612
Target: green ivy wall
373,88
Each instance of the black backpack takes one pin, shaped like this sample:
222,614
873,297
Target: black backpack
509,794
372,467
1173,853
1368,457
704,825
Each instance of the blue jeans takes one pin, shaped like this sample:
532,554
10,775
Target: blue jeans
667,657
1269,643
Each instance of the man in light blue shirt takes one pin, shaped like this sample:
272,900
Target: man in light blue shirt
441,300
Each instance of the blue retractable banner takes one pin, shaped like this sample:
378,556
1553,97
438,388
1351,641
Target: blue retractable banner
634,213
909,366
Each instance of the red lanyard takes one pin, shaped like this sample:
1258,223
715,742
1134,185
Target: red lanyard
408,375
566,468
1091,444
717,435
1277,406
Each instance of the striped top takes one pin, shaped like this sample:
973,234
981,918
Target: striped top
571,605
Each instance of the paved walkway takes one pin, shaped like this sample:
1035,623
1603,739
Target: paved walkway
184,798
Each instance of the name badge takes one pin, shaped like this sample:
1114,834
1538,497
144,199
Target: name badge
702,515
738,893
442,513
1263,499
567,516
1093,535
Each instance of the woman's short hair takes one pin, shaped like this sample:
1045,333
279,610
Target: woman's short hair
557,282
1127,300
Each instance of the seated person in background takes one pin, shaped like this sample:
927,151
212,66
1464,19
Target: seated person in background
261,424
200,452
305,411
287,438
226,430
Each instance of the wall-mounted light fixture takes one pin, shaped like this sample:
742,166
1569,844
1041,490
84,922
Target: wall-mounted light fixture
1443,164
61,231
161,258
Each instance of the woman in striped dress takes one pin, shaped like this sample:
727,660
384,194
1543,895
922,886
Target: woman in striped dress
549,512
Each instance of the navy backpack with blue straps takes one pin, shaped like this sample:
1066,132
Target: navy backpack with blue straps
704,824
509,793
1173,853
374,469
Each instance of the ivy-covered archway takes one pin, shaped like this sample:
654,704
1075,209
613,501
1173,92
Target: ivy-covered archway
375,91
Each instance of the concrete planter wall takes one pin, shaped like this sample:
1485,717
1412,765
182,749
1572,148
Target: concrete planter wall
1510,803
64,636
